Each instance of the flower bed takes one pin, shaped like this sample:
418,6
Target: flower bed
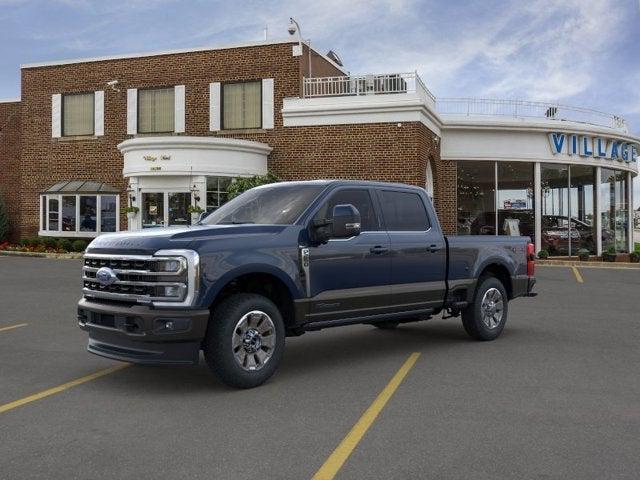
46,245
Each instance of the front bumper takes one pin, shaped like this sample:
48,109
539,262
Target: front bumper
140,334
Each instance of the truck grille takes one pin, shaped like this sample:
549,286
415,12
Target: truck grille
141,279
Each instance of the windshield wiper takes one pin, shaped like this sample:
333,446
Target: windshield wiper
234,223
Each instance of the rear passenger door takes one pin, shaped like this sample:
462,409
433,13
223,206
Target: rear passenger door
418,251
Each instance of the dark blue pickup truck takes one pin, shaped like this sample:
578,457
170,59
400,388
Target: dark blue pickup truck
287,258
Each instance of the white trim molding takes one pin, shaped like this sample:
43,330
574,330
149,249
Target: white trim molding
186,156
176,52
345,110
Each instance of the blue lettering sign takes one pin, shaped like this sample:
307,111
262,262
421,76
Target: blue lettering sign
573,147
614,150
586,147
557,142
634,153
601,150
624,152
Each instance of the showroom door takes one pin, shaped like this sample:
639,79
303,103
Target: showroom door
178,204
153,211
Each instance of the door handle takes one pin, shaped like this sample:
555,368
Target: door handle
433,248
378,249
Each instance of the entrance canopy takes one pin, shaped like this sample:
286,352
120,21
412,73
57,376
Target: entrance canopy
81,186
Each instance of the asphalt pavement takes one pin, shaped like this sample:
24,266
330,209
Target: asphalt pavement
556,396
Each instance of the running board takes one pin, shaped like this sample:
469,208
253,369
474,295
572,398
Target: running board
381,317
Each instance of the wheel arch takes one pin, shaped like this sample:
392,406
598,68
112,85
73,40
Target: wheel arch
501,272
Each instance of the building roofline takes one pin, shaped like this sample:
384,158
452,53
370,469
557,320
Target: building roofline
172,52
10,100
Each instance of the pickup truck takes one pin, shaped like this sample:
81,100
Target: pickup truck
287,258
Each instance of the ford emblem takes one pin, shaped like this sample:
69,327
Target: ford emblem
105,276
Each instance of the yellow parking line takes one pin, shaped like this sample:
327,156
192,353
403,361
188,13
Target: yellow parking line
11,327
61,388
340,455
576,272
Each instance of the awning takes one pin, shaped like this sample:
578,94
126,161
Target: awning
81,186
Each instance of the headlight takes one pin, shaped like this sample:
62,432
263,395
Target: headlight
172,265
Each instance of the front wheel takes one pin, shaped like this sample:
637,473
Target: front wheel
484,319
245,340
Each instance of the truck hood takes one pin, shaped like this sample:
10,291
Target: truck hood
149,241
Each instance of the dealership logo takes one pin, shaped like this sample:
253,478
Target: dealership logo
597,147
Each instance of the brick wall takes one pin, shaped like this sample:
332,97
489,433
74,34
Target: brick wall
10,161
381,151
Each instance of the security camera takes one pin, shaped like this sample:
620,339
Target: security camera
291,29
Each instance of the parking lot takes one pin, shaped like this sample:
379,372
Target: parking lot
557,396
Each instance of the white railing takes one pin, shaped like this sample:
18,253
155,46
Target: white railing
375,84
527,109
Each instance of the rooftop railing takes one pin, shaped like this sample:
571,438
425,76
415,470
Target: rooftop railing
527,109
389,83
377,84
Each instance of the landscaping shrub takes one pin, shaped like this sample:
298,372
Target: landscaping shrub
583,254
543,254
79,245
65,244
49,242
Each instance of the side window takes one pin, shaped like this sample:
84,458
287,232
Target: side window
359,198
404,211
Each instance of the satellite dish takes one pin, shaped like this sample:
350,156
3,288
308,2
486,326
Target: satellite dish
334,56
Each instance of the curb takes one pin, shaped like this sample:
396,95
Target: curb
57,256
575,263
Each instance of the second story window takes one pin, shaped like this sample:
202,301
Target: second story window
78,114
156,110
242,105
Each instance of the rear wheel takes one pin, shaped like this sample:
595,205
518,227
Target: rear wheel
485,318
245,340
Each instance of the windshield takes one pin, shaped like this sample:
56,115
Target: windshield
271,205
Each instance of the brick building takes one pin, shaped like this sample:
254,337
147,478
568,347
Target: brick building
163,131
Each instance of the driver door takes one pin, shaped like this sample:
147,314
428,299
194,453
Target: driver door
350,277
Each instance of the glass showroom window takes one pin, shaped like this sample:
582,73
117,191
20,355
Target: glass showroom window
217,192
581,203
476,198
555,208
79,215
242,105
156,110
77,114
515,199
614,210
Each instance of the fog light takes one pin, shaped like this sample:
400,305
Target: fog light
172,291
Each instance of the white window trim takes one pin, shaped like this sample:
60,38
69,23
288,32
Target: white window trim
268,107
98,113
132,111
56,115
179,109
215,103
77,234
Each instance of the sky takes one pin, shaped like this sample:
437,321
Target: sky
577,52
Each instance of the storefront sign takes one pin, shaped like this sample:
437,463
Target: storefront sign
597,147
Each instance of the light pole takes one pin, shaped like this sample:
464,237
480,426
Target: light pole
294,27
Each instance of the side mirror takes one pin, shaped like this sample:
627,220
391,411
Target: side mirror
346,221
202,216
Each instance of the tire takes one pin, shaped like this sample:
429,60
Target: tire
487,323
386,325
244,342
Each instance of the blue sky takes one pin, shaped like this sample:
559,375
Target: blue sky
579,52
